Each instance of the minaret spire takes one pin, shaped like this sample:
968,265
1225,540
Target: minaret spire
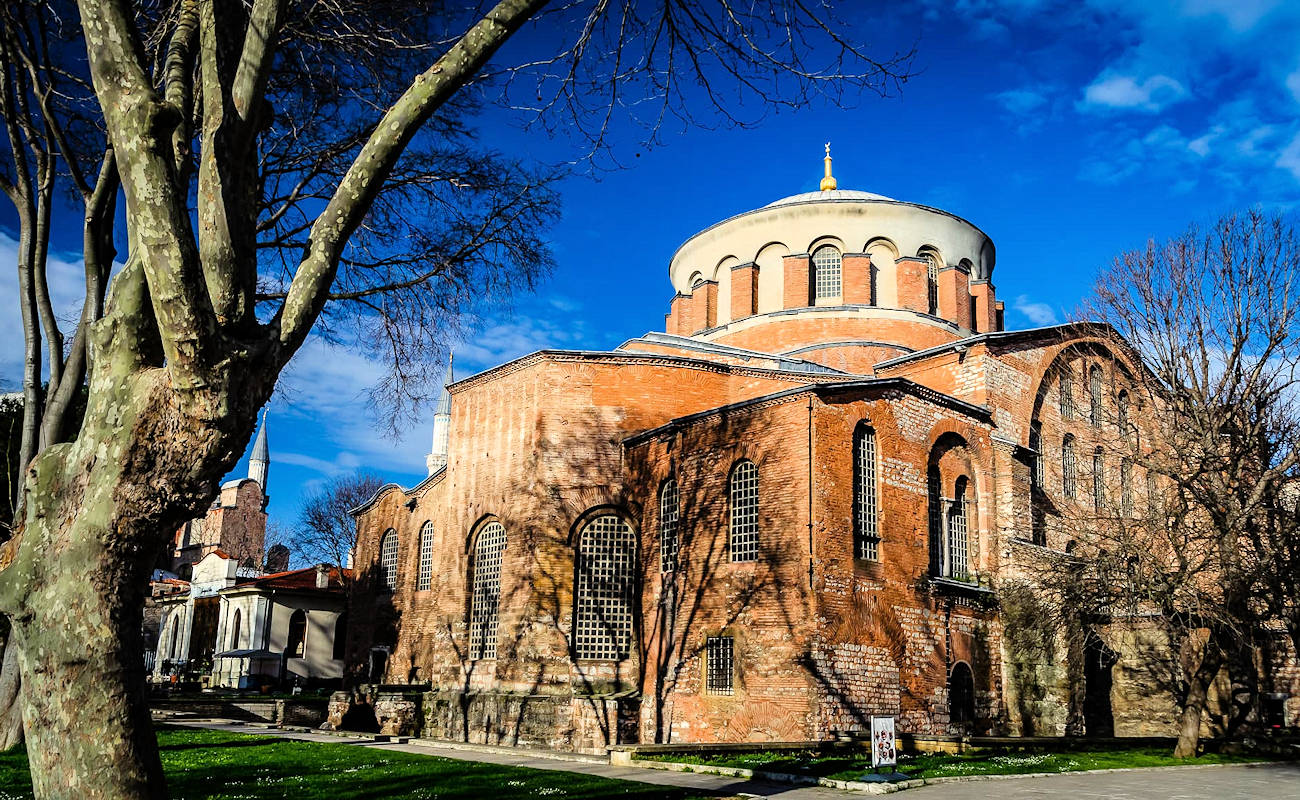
260,459
828,182
437,458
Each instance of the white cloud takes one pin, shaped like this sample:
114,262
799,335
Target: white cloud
1124,92
1037,313
1289,158
1021,101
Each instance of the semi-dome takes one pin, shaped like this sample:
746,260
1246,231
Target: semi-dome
835,195
839,276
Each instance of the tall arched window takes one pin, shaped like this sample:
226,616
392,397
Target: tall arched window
958,527
669,514
1036,446
1098,477
931,282
1121,413
388,560
424,575
340,636
827,272
296,644
485,586
606,565
174,646
1069,468
935,492
1094,395
233,642
866,495
1037,512
1067,394
743,538
1126,487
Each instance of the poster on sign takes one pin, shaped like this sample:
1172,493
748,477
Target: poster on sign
884,752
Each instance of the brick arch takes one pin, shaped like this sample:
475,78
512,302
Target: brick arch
1094,346
826,239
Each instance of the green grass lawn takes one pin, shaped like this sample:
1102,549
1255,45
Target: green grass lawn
842,766
213,765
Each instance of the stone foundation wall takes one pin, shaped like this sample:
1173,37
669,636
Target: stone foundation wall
582,724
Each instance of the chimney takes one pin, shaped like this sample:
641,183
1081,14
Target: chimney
322,576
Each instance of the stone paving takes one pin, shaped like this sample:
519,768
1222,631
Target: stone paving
1262,782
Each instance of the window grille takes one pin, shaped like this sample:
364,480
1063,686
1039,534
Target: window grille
1094,395
936,522
1069,468
719,665
866,505
744,512
1126,487
1036,445
932,283
957,533
828,272
388,560
1098,489
669,515
1067,395
485,599
1153,496
1121,414
424,576
606,561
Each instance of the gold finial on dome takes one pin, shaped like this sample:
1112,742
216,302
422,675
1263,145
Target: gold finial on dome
828,182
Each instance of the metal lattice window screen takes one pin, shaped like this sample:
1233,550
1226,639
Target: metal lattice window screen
485,600
1094,395
828,272
931,283
1067,395
1121,414
936,522
1126,487
719,665
743,541
958,566
1069,469
1098,478
388,560
606,566
424,575
669,514
1036,445
867,508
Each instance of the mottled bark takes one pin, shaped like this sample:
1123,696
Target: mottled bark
1198,695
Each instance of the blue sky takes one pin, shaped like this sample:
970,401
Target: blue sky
1067,131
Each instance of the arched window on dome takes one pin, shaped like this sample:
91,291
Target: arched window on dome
388,560
827,273
931,282
605,589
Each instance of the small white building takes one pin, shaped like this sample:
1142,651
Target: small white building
248,631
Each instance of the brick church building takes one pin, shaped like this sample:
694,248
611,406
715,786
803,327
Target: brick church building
787,513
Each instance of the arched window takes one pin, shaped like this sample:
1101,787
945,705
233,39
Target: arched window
931,282
232,643
1069,468
340,636
1036,446
606,566
1067,394
1154,504
669,514
174,646
1126,487
388,560
1094,395
958,544
486,590
743,539
935,492
296,644
424,574
827,272
866,501
1098,476
1121,413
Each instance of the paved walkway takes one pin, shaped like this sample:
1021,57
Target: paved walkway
1272,781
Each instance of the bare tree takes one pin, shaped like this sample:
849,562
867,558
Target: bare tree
263,156
326,531
1184,534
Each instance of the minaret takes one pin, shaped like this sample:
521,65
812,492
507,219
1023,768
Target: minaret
261,458
828,182
437,458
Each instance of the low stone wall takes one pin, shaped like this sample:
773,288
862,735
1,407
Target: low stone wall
308,713
555,722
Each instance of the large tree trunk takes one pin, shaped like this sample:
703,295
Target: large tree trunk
1198,694
11,701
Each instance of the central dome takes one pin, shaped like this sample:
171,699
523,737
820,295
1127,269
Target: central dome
834,195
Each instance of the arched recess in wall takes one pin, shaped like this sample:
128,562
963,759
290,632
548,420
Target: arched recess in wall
884,269
771,276
933,264
340,636
722,274
487,555
232,642
296,642
952,510
961,697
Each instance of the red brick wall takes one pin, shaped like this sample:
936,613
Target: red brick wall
954,295
857,278
797,292
744,290
913,293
